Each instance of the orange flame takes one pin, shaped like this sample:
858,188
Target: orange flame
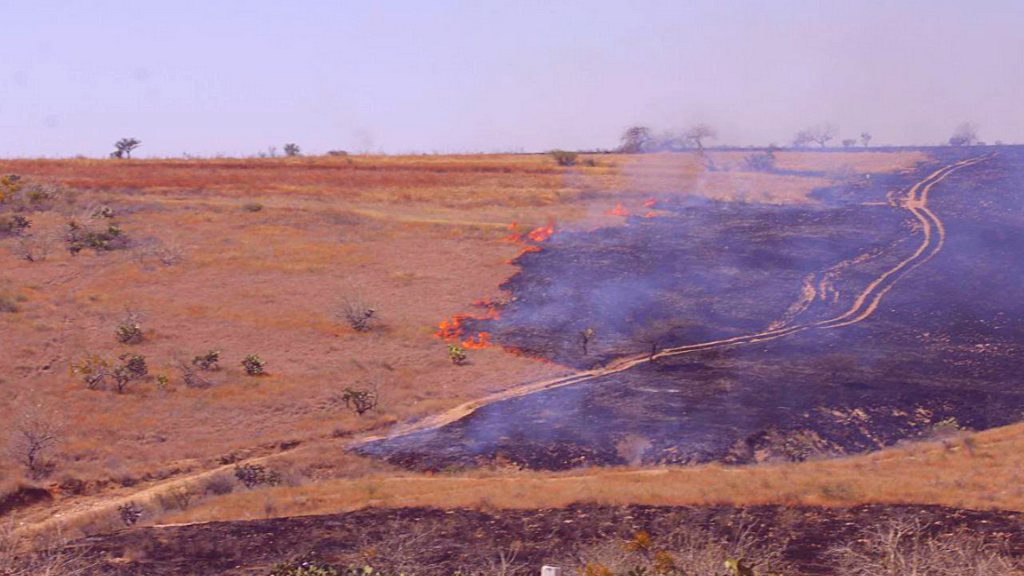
650,203
480,342
618,211
543,233
649,215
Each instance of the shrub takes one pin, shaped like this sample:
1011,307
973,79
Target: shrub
253,475
14,225
79,236
208,361
359,316
7,306
129,331
254,365
564,158
133,367
254,207
360,400
340,153
130,513
190,375
456,354
219,485
292,149
93,369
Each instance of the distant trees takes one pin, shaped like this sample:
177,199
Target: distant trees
636,139
849,142
763,161
124,147
965,134
564,157
292,149
865,138
698,133
820,135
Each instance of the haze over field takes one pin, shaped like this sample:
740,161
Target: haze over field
221,77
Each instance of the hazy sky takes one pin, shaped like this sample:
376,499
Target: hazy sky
208,76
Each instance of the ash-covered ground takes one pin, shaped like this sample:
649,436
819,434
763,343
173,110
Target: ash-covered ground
944,345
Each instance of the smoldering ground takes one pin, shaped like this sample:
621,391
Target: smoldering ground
941,347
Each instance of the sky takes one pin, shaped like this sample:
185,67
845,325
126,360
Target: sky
212,77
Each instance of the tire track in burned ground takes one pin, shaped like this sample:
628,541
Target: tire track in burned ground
865,304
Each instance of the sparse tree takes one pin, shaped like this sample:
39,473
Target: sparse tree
818,134
654,336
849,143
291,149
586,337
966,134
865,138
636,139
124,147
36,431
698,133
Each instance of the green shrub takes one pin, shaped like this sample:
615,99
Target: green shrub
563,157
456,354
254,365
133,367
79,237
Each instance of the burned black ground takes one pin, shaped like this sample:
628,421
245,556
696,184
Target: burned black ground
428,541
945,344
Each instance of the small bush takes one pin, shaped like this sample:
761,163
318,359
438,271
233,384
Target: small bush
130,513
190,375
360,400
456,354
360,317
7,305
14,225
219,485
80,236
564,158
133,368
129,331
253,207
208,361
93,370
253,475
340,153
292,149
254,365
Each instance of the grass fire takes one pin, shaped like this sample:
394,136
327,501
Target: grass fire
482,289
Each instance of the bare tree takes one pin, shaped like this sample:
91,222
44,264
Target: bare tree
865,138
819,134
698,133
359,315
291,149
636,139
654,336
966,134
124,147
37,429
586,336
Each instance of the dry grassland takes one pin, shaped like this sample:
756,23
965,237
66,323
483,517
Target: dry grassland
418,237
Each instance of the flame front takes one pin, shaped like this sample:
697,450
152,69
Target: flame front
618,211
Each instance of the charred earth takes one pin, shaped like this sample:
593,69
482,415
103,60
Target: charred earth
892,307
